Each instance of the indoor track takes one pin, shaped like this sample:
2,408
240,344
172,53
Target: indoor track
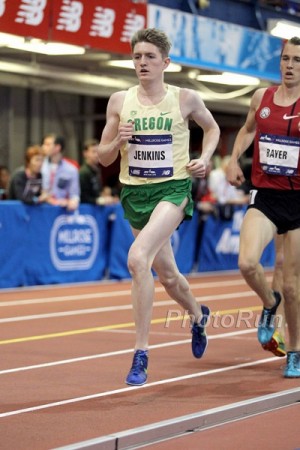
66,350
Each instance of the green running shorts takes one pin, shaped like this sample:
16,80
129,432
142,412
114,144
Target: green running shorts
139,201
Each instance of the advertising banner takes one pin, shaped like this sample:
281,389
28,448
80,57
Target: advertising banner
198,41
101,24
25,18
108,25
47,245
219,247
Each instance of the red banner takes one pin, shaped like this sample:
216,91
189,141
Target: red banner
102,24
25,18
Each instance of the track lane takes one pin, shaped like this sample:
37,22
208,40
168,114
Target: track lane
67,359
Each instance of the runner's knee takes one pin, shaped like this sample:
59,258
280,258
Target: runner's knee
247,266
290,292
136,261
173,280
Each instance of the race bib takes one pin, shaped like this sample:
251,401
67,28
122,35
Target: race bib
279,155
150,156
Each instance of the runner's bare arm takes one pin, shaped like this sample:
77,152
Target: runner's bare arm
243,140
114,134
193,107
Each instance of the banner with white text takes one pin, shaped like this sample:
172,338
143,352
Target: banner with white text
101,24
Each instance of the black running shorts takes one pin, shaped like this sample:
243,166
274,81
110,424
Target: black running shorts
281,207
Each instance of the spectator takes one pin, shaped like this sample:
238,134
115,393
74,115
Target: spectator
60,177
221,189
26,182
48,144
4,182
226,196
201,193
91,190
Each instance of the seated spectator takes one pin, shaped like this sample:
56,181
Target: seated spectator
26,182
60,177
4,182
91,188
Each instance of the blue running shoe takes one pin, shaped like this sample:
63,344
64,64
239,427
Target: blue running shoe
138,372
199,338
266,326
292,368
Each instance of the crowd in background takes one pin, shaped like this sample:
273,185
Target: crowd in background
48,176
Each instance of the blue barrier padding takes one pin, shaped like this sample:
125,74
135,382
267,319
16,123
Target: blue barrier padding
47,245
220,244
121,240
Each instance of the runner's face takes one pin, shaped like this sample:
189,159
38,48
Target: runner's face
290,65
148,61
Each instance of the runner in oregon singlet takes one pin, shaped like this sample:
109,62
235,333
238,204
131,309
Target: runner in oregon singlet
159,148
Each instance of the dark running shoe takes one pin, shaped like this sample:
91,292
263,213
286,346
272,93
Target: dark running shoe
292,368
266,326
138,372
199,338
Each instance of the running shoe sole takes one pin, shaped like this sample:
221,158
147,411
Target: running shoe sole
275,346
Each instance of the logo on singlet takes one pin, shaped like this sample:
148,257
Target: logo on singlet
264,113
286,117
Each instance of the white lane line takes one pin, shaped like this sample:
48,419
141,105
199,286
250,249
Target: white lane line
122,352
206,298
66,313
121,293
132,388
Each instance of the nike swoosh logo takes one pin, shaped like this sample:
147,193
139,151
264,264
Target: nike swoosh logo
163,114
286,117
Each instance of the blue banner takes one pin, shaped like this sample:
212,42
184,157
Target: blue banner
121,240
199,41
13,239
219,247
47,245
184,243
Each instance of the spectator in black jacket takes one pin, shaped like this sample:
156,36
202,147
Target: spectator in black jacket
91,188
26,182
